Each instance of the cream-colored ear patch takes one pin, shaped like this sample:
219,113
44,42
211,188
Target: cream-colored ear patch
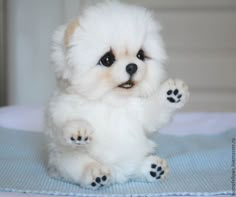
70,30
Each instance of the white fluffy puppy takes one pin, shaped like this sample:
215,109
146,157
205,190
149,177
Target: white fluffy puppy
110,97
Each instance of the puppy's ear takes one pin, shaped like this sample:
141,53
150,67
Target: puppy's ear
70,29
60,41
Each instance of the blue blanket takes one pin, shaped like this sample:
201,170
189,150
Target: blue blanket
200,165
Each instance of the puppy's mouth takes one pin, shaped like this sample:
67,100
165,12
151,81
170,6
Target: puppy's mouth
127,85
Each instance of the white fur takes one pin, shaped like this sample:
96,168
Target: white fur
88,103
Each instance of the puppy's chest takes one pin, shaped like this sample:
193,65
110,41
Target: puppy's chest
110,121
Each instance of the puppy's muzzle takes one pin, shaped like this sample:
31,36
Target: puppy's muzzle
131,69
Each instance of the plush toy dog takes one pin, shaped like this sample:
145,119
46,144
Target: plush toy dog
111,95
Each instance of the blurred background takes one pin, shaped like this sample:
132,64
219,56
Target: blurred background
200,37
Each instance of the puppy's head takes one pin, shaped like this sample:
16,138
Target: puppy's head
113,49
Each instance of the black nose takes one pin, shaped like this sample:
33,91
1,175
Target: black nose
131,68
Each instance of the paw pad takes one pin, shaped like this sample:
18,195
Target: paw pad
156,171
80,140
77,132
173,96
99,182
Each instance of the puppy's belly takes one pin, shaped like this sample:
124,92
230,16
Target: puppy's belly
121,150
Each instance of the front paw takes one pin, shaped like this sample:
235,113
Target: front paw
77,132
174,93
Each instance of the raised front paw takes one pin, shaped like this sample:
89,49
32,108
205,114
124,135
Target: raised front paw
78,132
175,93
155,168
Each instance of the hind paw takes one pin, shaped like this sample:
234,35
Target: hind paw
96,176
155,168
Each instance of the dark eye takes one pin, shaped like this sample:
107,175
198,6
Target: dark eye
141,55
107,59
